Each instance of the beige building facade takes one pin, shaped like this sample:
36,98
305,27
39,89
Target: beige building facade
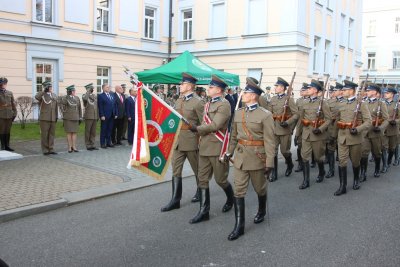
83,41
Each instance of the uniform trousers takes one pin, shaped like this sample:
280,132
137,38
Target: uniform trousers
209,165
313,147
242,178
90,132
178,159
47,133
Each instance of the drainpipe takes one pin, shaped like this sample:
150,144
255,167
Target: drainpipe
171,14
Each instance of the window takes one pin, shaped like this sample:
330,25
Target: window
254,73
43,73
256,17
149,23
315,51
396,60
187,19
103,76
218,22
397,25
372,27
326,56
342,27
349,34
103,15
44,11
371,61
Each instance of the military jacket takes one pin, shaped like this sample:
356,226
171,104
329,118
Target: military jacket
255,125
275,106
48,106
392,129
191,108
308,112
8,109
384,116
345,114
334,105
71,107
219,113
90,104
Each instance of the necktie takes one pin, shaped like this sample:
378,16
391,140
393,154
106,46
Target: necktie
120,97
108,95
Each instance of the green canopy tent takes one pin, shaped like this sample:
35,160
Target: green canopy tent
171,73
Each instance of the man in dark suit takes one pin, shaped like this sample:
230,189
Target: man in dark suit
118,127
130,112
108,111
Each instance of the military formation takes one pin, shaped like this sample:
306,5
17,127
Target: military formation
246,130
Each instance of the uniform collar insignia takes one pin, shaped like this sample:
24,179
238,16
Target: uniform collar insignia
252,107
389,102
340,99
216,99
351,99
281,95
372,100
313,99
188,97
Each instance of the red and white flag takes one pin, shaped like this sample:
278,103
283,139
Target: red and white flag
140,147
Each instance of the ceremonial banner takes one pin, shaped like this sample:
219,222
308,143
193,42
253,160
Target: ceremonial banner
140,147
163,126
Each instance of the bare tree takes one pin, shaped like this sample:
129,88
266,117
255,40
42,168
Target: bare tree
25,106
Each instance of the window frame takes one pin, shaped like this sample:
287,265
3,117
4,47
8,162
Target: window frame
316,44
350,38
154,18
372,25
371,60
189,33
327,55
102,78
53,13
212,5
396,60
109,10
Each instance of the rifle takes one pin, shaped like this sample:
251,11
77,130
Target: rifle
319,111
359,101
259,82
286,104
395,110
379,109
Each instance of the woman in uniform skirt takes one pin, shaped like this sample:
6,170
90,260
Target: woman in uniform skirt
72,114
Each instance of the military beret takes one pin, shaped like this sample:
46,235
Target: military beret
281,81
217,81
187,78
349,85
3,80
46,84
70,88
254,80
391,89
316,84
252,87
339,86
375,87
89,86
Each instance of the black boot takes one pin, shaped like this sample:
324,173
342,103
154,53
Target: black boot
312,161
356,181
326,161
343,181
3,142
7,142
262,209
300,161
196,197
229,198
363,169
289,164
239,219
175,202
385,165
204,212
306,175
331,162
321,172
390,156
274,172
396,156
377,167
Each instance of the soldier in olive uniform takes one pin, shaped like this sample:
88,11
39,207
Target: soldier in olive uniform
8,112
392,131
212,130
373,141
349,135
253,145
299,103
72,114
313,130
91,116
334,103
191,107
48,117
284,123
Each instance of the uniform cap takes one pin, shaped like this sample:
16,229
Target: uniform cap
304,86
349,85
252,87
391,89
3,80
46,84
70,88
217,81
375,87
316,84
89,86
187,78
331,88
339,86
254,80
281,81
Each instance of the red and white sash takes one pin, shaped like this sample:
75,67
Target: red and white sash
206,119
